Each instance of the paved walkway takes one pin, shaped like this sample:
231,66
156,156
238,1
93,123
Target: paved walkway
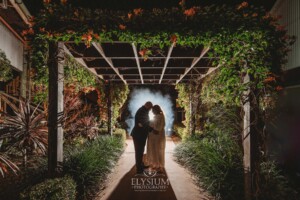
121,181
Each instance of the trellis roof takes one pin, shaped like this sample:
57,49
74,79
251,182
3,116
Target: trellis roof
121,62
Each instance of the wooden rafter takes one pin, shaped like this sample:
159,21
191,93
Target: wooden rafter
109,61
81,61
166,62
204,51
137,62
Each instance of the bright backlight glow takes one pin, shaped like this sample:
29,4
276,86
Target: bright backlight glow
151,115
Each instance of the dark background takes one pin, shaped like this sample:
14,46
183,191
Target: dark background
35,5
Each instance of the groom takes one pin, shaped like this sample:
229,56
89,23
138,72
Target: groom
140,133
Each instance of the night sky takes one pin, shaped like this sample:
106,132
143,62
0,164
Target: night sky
35,5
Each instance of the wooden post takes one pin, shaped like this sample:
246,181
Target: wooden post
109,109
24,76
192,111
55,108
250,143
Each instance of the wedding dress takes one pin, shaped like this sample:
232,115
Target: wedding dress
156,142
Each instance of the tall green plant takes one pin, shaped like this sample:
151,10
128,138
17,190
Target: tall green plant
89,164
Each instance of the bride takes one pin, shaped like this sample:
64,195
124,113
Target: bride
157,141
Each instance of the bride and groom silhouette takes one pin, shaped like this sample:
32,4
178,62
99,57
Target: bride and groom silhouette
154,131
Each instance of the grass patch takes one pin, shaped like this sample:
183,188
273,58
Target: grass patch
52,189
216,163
90,164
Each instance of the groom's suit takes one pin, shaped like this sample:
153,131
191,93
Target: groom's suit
140,133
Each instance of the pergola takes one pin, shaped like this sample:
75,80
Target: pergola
121,62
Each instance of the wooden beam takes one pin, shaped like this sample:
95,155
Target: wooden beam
55,108
109,61
81,61
137,62
167,61
109,108
204,51
158,67
141,58
12,30
247,142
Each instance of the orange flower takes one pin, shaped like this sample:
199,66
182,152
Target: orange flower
49,34
42,29
31,18
245,15
242,5
137,11
63,1
190,12
270,79
122,27
182,3
129,15
24,32
96,36
30,31
47,1
143,52
87,37
267,16
173,38
254,15
279,88
245,4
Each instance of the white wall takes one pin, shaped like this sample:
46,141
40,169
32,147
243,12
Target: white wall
290,12
12,47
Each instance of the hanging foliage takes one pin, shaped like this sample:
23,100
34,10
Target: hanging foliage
244,39
238,36
5,68
75,76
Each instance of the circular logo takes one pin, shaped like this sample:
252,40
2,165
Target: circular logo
150,173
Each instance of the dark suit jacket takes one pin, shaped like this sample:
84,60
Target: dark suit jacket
142,117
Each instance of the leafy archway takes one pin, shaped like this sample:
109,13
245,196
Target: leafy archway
249,43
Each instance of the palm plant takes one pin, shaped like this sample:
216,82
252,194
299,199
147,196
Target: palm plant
26,131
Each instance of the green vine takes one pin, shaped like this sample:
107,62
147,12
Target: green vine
245,40
5,68
239,36
74,74
119,96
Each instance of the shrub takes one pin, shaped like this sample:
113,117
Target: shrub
11,186
119,132
274,185
52,189
103,131
90,164
181,131
216,162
